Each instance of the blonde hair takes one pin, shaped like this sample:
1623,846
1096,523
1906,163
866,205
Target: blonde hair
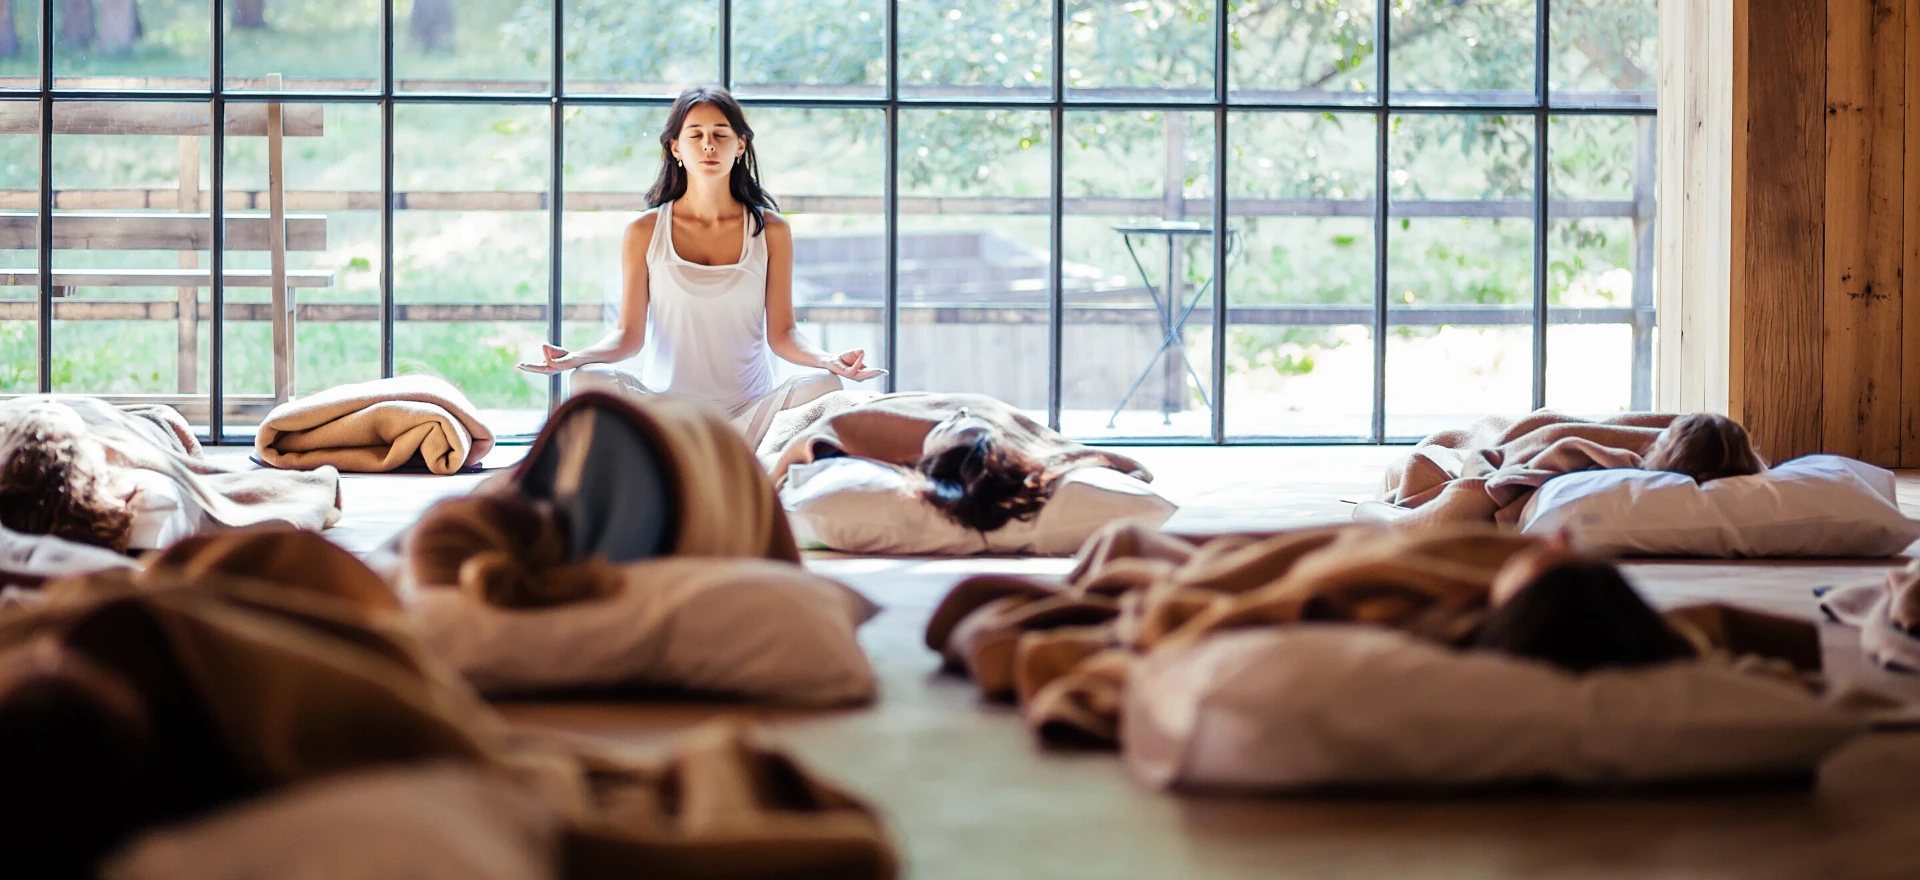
504,550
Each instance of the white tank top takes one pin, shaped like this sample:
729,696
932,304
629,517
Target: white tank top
707,325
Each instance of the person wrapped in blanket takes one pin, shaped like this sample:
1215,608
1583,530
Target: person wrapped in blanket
249,705
983,463
1063,649
1489,471
133,478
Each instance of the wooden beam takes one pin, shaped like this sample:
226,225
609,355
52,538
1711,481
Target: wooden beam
1910,229
157,118
157,232
1864,214
1779,313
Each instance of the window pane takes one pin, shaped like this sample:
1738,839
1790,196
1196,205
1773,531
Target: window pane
822,47
444,46
974,253
1137,348
1001,49
139,168
1460,270
129,45
1320,51
1604,51
19,247
1445,51
1600,264
313,44
331,175
470,252
838,221
655,47
1300,349
1163,48
613,155
20,44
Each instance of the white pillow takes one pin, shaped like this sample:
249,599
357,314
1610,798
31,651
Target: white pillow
1819,505
745,628
857,505
1342,705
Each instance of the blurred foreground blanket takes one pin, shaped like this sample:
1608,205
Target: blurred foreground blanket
1065,649
240,689
373,427
1513,457
156,438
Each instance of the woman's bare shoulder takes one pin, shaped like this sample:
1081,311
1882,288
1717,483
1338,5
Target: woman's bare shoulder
640,231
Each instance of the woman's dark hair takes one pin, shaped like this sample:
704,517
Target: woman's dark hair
983,485
46,488
1706,447
1581,616
744,182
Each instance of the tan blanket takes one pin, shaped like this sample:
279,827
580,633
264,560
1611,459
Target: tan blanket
156,438
892,428
1064,648
269,687
373,427
1510,458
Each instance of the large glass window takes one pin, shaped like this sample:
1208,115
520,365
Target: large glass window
1194,220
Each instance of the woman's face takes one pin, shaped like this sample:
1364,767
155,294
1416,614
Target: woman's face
960,429
707,146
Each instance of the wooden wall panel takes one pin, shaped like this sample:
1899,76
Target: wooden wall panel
1783,188
1910,298
1864,218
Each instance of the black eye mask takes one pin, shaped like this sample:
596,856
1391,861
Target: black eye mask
607,480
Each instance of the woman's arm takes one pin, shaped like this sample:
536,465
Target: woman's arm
624,341
783,334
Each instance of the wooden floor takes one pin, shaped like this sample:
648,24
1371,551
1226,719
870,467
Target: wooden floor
969,795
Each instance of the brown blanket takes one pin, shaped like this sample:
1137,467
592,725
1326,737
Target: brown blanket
892,427
260,687
156,438
372,427
1064,649
1510,458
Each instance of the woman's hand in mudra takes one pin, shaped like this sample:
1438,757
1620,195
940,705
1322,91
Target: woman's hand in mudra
551,360
851,365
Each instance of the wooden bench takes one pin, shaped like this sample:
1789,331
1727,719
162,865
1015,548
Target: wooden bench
189,230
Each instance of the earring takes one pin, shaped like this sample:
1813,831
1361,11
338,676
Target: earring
680,162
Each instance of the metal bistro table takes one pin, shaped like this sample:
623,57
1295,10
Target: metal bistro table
1172,313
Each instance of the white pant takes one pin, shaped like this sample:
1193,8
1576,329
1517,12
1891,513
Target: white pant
752,420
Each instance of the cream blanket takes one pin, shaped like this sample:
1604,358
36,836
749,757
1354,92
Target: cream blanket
1511,458
156,438
373,427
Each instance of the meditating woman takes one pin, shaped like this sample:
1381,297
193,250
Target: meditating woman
708,283
1704,446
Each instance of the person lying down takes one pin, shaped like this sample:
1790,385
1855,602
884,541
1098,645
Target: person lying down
133,478
1488,472
982,462
204,700
1064,649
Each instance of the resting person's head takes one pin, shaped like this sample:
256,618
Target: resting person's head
1706,447
1555,605
79,744
502,549
977,480
54,480
707,143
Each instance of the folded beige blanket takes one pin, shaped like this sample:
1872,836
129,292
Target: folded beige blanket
156,438
372,427
255,687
